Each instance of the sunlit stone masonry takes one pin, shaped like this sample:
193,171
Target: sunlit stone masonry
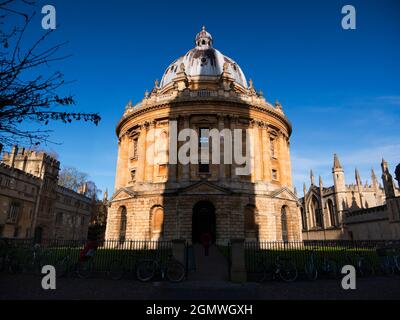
156,199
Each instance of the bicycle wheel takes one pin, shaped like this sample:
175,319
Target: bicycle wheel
387,268
259,273
288,271
62,266
311,271
175,271
2,263
84,269
397,262
330,268
116,270
365,267
145,270
14,267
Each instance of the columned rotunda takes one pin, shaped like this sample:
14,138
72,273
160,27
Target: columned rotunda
155,198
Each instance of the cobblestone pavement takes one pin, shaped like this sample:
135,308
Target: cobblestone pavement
29,287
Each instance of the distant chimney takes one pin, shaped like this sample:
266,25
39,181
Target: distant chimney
14,152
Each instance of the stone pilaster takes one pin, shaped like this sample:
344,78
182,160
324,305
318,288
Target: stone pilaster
222,166
265,145
140,171
185,168
233,125
150,150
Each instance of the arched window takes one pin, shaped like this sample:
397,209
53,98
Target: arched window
161,145
317,212
157,223
332,214
122,226
250,225
284,224
303,219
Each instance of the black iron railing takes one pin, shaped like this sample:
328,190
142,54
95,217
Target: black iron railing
51,251
299,252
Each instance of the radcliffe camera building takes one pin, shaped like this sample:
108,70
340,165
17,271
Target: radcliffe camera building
155,199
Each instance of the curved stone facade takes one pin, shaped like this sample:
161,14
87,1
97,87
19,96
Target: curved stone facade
157,199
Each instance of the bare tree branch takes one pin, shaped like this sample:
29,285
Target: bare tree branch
26,97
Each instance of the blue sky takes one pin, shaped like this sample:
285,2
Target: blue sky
339,88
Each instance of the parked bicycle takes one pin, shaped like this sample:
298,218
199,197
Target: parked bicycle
9,258
389,260
123,266
173,270
72,265
316,266
282,268
35,258
363,266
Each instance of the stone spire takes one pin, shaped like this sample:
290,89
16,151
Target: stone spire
387,180
374,180
312,177
358,178
304,189
336,163
320,182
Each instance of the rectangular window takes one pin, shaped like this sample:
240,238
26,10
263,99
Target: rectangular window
135,149
274,174
16,232
204,151
133,174
162,170
59,218
13,212
272,147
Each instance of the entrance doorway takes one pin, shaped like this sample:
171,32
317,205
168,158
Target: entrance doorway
203,221
38,235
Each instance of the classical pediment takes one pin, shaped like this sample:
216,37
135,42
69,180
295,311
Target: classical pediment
123,193
284,193
204,187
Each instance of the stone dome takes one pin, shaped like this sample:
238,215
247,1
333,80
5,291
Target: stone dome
204,62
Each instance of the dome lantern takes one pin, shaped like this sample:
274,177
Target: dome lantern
203,38
203,62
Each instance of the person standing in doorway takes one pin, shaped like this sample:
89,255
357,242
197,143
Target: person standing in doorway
206,239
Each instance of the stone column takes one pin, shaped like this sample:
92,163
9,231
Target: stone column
233,125
266,163
281,159
172,168
257,168
140,170
221,167
238,266
123,161
288,163
186,168
150,140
